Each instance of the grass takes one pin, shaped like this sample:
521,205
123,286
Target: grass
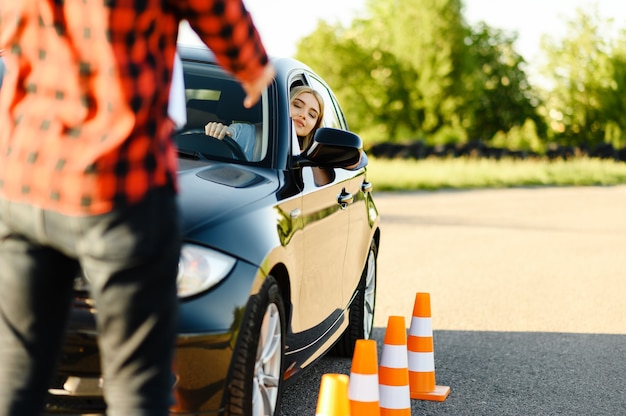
471,173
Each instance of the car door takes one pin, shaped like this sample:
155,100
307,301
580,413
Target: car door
325,223
353,191
359,231
325,235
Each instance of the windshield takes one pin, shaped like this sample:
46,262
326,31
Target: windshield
212,96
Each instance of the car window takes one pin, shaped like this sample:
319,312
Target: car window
213,96
332,115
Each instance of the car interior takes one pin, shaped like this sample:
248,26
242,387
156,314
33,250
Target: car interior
220,99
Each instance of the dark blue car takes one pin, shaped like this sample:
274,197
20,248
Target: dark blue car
276,269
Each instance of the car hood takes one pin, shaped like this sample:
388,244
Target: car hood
218,191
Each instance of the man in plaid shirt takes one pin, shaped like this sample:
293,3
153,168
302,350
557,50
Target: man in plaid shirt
88,180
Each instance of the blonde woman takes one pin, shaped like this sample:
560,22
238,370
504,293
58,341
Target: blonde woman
306,110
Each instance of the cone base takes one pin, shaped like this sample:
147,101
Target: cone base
438,395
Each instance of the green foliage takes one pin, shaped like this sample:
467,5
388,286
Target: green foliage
521,138
502,97
469,173
585,103
614,135
369,82
428,36
615,97
401,68
414,70
447,135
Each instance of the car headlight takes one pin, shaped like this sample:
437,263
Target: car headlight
201,268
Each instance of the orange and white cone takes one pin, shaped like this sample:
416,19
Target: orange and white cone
393,372
421,352
333,397
363,388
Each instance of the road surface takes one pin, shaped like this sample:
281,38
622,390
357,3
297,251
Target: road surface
528,298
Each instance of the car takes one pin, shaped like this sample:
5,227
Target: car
276,269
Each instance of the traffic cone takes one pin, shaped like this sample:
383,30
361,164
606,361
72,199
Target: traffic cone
393,372
333,397
421,352
363,387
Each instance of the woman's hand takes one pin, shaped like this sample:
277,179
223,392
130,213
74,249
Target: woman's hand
217,130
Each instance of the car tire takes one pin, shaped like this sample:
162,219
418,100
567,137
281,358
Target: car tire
362,308
255,381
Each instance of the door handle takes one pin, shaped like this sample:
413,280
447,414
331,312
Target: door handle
344,198
295,213
366,187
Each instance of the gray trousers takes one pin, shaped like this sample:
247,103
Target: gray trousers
130,257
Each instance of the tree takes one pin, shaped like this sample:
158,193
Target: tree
371,83
587,83
401,69
501,96
614,98
427,36
413,69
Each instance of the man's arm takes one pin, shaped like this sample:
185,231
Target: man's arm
226,27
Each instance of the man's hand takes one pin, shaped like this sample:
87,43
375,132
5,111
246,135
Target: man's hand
255,88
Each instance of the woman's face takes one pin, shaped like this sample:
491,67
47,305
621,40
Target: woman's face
304,111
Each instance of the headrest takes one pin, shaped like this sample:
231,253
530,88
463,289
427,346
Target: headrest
200,112
230,107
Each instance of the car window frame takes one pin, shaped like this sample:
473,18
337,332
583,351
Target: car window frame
330,103
302,76
212,70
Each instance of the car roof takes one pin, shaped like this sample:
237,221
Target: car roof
201,53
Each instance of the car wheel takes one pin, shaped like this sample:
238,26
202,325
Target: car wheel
255,386
362,308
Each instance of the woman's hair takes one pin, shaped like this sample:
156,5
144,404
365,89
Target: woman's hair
295,92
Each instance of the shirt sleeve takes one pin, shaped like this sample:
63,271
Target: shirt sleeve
226,27
245,136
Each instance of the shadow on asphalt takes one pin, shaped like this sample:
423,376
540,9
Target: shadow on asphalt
504,373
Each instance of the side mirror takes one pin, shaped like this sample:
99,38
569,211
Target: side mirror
333,148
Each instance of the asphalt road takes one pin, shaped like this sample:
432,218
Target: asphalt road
528,298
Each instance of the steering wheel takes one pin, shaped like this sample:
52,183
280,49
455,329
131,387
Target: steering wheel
232,145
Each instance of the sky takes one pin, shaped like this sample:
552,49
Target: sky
282,23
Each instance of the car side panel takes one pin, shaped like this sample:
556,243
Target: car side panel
325,239
361,229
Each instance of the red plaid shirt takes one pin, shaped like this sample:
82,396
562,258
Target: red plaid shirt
83,106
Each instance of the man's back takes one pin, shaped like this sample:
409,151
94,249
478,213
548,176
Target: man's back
87,182
84,103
